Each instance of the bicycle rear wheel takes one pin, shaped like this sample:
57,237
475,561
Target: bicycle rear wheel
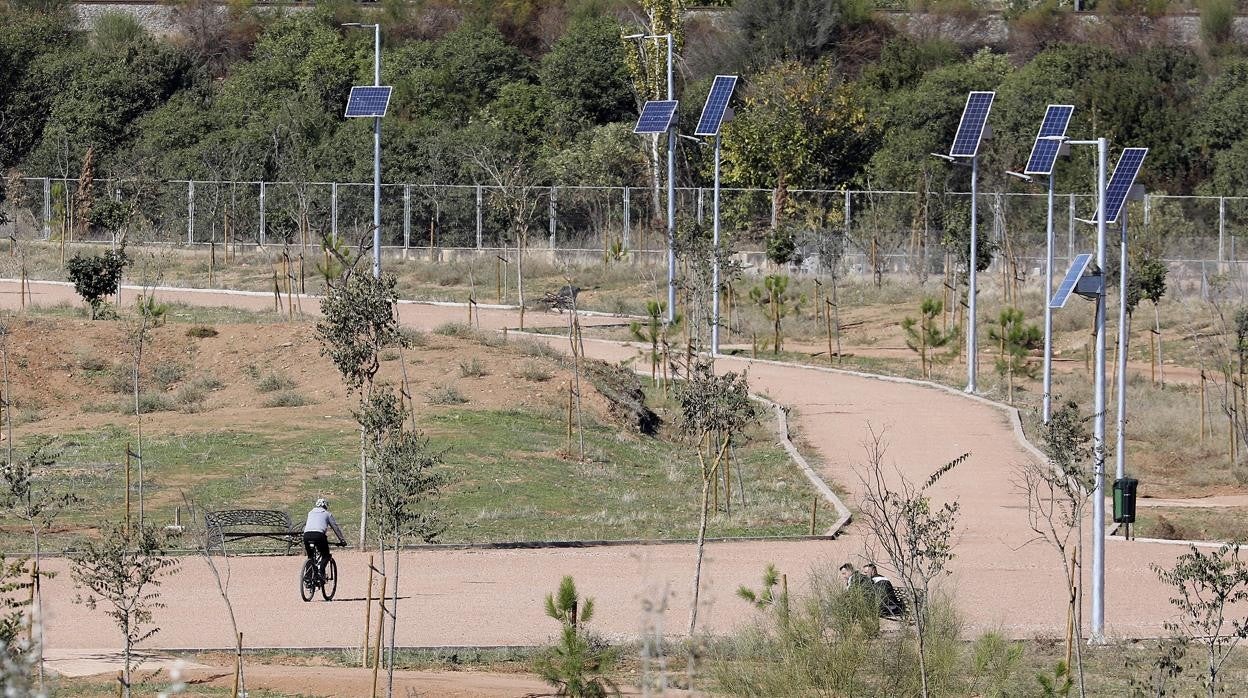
307,580
331,580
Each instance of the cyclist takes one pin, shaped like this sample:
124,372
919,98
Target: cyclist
319,521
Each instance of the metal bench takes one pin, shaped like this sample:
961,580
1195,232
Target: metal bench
244,524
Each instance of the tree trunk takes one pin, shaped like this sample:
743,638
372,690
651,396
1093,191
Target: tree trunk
520,275
921,631
706,493
363,489
1161,366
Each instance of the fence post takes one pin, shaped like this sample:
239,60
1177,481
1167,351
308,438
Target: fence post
263,228
407,216
333,213
701,195
479,230
847,211
628,217
1148,209
47,208
190,212
775,215
552,217
1221,230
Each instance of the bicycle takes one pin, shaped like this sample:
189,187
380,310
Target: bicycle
310,580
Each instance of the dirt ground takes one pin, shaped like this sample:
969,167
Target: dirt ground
1002,578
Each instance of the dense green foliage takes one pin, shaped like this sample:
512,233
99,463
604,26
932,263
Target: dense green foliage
830,96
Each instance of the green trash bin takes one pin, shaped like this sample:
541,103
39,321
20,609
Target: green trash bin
1124,499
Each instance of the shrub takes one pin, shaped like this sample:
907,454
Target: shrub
190,398
455,329
208,383
445,395
273,382
473,368
388,355
95,277
201,332
93,363
286,398
539,350
579,663
166,373
120,379
414,337
148,402
534,372
1217,21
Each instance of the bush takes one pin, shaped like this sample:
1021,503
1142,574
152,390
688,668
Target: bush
166,373
92,363
95,278
473,368
201,332
534,372
273,382
445,395
286,398
148,402
190,398
1217,21
208,383
120,379
455,329
413,337
388,355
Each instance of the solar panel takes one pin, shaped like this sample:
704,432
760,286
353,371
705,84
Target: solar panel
1125,172
1077,268
656,116
971,127
1049,140
368,101
716,105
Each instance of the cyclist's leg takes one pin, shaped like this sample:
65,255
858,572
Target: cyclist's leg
308,538
322,548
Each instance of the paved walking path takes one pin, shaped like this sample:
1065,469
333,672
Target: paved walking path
1002,579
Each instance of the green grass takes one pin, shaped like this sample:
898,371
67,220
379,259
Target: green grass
510,479
1192,523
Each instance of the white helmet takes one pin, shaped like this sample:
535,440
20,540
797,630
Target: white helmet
321,503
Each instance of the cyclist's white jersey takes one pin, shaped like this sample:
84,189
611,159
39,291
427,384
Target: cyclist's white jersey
320,520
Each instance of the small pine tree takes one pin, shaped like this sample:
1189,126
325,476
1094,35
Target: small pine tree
924,335
1014,340
774,295
577,665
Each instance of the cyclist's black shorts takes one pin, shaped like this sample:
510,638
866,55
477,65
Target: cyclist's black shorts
318,540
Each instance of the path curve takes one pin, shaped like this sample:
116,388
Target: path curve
1002,578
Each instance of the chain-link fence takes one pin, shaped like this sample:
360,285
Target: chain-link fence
880,231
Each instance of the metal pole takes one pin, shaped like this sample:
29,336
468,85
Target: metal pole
1048,312
479,230
715,260
1098,416
263,223
47,208
971,343
333,213
1120,453
377,157
671,194
628,218
407,216
1221,230
190,212
1070,232
553,216
847,212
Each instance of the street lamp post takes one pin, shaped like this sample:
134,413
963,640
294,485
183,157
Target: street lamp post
376,148
972,340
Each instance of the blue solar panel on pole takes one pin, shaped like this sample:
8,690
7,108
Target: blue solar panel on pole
368,101
716,104
656,116
1077,267
971,127
1049,140
1125,172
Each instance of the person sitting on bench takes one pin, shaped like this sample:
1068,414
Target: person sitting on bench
891,604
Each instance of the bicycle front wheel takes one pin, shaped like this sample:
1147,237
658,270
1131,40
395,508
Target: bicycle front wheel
331,580
307,580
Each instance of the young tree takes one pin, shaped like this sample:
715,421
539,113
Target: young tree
1015,340
1210,589
1148,281
654,331
774,296
358,320
20,655
122,574
915,535
576,666
924,335
96,277
714,410
406,481
1058,491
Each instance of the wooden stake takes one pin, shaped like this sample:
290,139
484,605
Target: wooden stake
569,418
814,513
277,295
827,321
1152,354
212,259
498,278
121,683
727,487
1203,406
1070,607
470,311
238,666
127,489
368,612
381,615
